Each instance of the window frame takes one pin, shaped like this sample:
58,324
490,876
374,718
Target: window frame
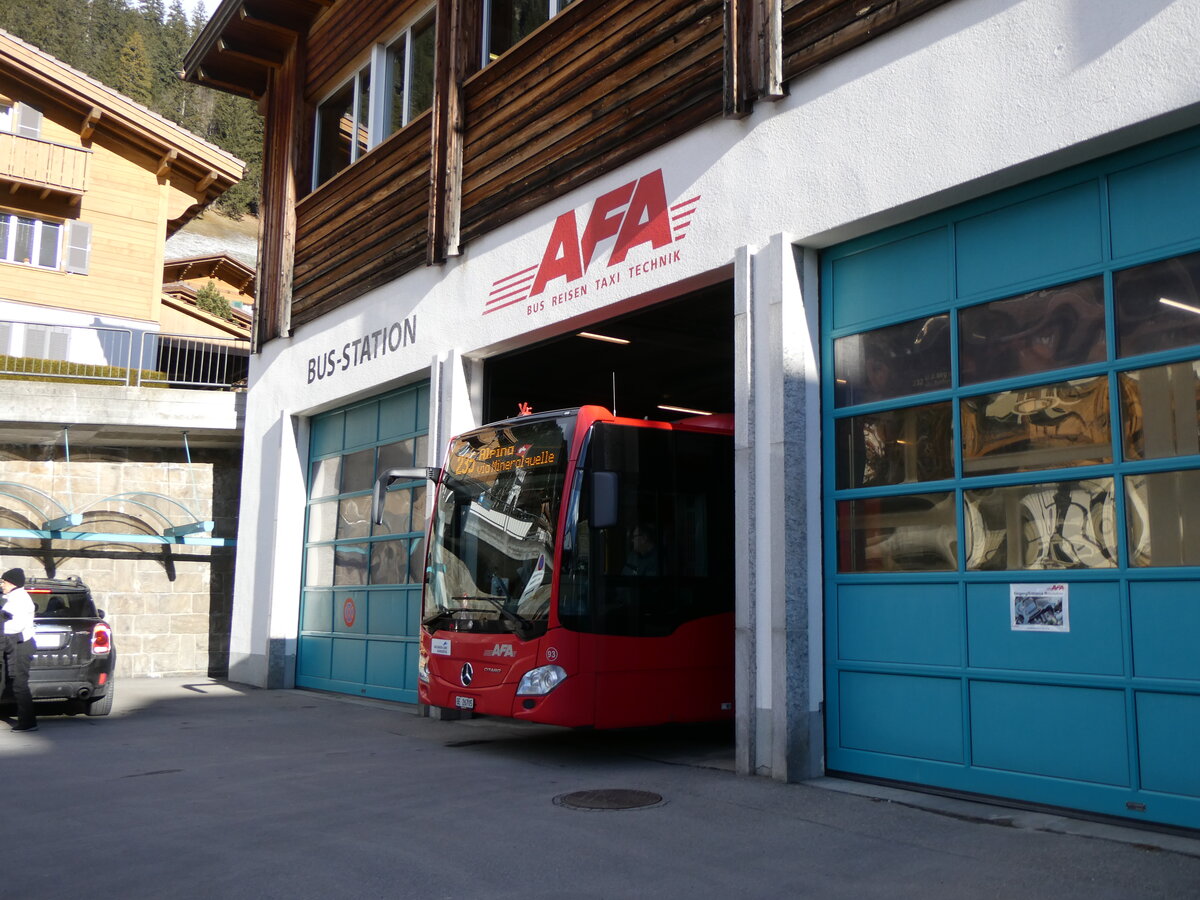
376,73
40,228
553,8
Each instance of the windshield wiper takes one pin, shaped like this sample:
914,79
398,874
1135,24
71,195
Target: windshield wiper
521,623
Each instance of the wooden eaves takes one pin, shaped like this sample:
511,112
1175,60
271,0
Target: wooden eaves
245,40
195,164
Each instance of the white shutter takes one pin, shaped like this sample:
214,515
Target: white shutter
37,341
29,121
79,247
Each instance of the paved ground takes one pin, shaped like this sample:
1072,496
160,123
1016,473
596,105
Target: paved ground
199,789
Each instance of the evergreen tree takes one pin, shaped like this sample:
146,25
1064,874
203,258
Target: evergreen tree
135,79
237,127
137,48
210,299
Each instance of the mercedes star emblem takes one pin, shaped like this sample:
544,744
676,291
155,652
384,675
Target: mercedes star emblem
467,674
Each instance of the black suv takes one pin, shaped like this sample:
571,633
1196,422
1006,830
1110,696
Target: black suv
74,659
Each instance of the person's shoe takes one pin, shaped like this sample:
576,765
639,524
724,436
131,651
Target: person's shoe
32,727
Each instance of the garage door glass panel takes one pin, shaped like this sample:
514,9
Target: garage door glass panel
1045,427
1055,525
318,565
1163,518
397,455
416,561
326,476
354,517
358,471
1035,332
1158,305
908,533
322,521
910,358
397,512
1160,411
896,446
350,564
389,562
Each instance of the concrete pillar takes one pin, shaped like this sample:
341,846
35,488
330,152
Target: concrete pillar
266,602
455,398
778,631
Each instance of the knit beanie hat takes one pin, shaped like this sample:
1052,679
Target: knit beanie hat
14,577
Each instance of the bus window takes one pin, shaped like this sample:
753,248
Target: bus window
667,559
491,557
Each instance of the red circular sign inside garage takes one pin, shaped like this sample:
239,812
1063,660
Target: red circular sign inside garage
348,612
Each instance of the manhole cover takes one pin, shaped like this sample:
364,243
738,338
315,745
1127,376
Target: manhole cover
609,798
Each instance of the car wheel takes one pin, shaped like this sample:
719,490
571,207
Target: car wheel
103,706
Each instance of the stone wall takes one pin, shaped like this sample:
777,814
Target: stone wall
169,604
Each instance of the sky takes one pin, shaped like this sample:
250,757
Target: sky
206,6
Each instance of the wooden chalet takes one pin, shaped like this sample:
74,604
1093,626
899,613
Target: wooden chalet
103,180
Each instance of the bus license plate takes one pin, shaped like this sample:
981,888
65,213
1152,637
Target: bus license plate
464,702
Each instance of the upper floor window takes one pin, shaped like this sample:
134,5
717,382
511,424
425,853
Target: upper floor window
505,22
342,123
20,118
30,241
409,65
393,88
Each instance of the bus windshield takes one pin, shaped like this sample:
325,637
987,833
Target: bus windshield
491,551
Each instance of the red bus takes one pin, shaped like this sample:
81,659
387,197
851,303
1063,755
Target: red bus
579,571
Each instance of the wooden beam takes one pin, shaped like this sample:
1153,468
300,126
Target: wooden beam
89,123
766,51
203,183
455,33
753,54
256,56
206,77
259,17
736,99
164,164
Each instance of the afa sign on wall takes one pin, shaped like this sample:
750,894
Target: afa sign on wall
641,225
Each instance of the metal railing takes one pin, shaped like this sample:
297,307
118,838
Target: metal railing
193,361
99,354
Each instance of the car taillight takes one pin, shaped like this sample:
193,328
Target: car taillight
101,639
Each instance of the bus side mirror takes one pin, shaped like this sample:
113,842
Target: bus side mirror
385,480
605,491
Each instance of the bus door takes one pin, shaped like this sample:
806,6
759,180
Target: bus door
658,612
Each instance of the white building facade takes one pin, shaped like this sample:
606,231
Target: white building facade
908,201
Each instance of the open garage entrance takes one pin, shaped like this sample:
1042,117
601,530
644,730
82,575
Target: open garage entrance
664,362
676,355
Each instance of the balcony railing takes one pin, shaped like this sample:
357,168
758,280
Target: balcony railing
43,164
121,356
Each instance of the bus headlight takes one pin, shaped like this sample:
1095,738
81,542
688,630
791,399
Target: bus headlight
541,681
423,666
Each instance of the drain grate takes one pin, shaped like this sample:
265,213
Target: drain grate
609,798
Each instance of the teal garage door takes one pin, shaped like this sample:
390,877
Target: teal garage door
361,600
1011,394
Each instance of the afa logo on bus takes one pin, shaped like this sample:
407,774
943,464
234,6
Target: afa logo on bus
638,221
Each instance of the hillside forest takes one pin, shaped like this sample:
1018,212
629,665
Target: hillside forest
136,47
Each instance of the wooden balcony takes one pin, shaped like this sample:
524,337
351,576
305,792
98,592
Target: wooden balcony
42,166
